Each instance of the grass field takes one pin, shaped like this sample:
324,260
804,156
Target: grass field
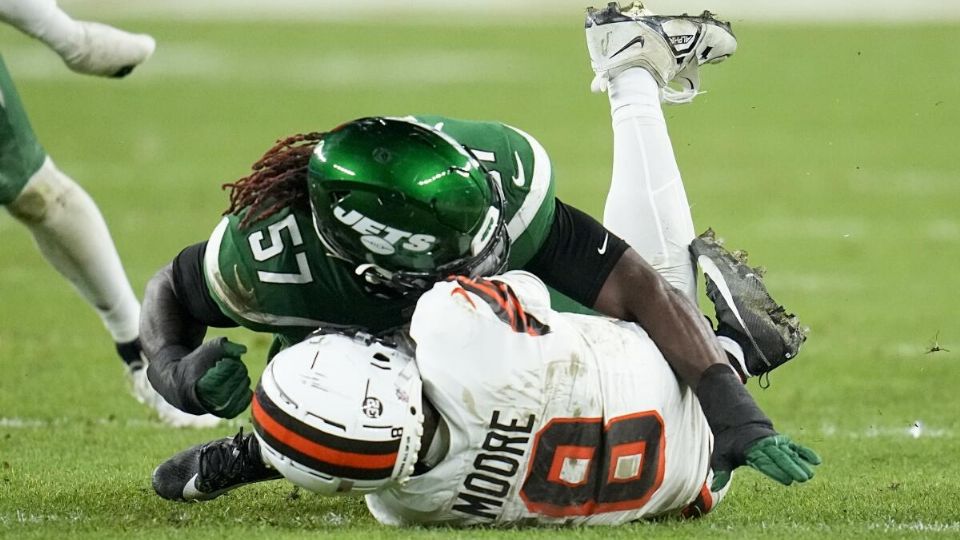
829,152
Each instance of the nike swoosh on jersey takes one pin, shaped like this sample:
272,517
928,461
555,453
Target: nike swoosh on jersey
520,180
603,249
246,293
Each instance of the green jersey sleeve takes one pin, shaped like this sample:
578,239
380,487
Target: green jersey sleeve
522,167
275,276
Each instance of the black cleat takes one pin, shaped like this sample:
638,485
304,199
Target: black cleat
745,310
209,470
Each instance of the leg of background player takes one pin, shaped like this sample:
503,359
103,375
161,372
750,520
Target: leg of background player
647,205
73,237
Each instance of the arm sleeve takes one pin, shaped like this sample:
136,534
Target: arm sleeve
734,417
190,287
577,256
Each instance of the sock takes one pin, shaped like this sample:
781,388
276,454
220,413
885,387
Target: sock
130,353
72,235
647,205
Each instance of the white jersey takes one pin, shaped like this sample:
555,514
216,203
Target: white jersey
552,418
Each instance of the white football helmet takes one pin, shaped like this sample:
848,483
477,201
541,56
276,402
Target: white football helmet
340,414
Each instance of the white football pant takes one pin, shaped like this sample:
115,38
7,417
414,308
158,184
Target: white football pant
73,237
647,205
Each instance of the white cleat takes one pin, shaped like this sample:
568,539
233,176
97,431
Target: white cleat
671,47
99,49
143,391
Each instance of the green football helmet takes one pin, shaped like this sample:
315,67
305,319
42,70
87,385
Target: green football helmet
406,204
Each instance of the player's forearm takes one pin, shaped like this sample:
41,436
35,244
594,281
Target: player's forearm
734,417
168,333
682,334
635,292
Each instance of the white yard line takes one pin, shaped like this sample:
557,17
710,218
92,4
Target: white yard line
510,12
917,430
332,68
16,422
916,526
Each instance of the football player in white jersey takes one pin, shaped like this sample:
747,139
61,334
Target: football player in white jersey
510,413
542,416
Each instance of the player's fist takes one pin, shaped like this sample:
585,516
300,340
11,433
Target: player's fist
223,386
99,49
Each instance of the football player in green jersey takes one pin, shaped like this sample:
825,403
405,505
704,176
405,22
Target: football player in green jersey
61,216
346,228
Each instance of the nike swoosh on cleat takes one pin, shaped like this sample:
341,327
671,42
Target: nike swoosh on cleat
603,249
713,272
190,491
631,43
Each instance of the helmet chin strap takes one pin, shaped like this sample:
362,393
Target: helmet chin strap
381,281
377,275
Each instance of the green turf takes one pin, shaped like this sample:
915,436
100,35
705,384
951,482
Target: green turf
829,152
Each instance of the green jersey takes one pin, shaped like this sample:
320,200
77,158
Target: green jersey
276,276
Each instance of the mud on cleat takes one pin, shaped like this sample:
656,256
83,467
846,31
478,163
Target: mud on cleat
671,47
746,313
209,470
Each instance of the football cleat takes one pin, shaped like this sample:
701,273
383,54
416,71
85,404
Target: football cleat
209,470
746,313
100,49
136,367
671,47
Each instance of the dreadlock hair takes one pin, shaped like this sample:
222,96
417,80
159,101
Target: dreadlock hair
278,180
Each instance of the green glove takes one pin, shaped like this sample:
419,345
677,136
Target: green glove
777,457
224,389
782,459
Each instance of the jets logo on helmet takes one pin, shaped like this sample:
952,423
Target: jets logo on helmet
405,204
382,239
